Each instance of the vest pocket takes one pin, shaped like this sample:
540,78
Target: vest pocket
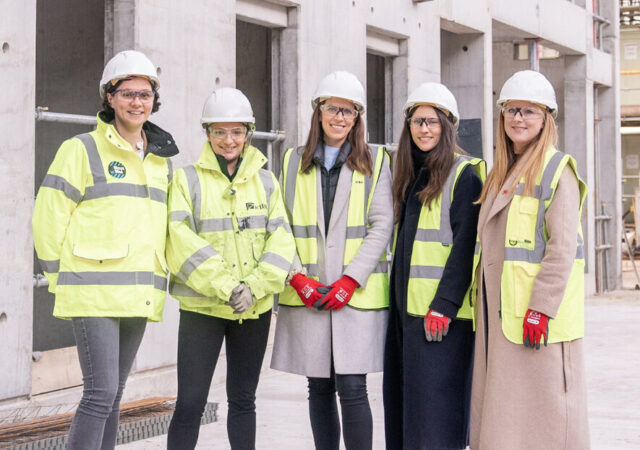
524,275
521,230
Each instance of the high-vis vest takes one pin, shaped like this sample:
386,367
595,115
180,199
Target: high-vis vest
99,223
223,233
525,243
433,242
300,198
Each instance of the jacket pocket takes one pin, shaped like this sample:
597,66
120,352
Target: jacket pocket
101,251
257,246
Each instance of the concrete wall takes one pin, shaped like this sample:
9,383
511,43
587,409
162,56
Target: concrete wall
17,76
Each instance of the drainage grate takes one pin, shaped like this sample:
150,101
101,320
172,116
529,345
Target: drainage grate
136,422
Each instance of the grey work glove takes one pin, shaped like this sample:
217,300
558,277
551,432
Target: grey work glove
241,299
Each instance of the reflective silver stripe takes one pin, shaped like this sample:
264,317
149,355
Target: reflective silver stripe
312,269
380,267
211,225
179,216
292,174
429,235
276,260
106,278
580,252
49,266
430,272
95,163
158,195
446,234
160,282
368,181
179,289
170,170
356,232
476,250
277,222
59,183
108,189
537,193
302,231
194,190
194,261
267,182
520,254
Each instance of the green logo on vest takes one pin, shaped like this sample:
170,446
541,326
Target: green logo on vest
117,169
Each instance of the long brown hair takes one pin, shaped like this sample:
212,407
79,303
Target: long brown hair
505,158
359,158
438,164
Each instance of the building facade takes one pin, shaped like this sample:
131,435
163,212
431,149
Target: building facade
276,51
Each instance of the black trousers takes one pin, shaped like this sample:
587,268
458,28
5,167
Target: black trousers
357,422
199,341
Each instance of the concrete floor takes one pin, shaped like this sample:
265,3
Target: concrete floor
612,362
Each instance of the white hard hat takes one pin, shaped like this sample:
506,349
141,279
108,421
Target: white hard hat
436,95
529,86
125,64
340,84
227,105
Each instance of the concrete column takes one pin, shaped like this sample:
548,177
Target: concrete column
609,167
577,140
17,127
462,57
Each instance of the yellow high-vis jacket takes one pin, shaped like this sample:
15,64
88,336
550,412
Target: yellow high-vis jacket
223,233
100,224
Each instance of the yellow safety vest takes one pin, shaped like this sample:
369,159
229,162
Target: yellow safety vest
223,233
300,198
525,243
432,245
99,224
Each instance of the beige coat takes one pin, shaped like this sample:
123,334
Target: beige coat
524,398
307,341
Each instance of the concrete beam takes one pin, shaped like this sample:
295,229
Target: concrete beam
262,13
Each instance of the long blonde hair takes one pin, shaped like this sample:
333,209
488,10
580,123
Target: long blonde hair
506,158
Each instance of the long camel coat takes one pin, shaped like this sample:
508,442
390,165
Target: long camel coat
307,341
524,398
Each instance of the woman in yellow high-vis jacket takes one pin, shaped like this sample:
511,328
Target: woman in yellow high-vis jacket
332,317
229,250
429,346
529,386
99,226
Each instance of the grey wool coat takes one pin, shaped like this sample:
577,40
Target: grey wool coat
307,341
524,398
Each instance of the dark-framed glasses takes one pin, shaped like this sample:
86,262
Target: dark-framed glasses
332,110
431,122
145,96
527,112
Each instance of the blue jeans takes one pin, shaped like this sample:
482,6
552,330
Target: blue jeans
357,422
107,347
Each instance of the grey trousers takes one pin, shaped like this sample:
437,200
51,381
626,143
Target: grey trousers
106,347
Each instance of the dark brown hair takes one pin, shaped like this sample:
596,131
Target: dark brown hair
359,158
107,110
438,164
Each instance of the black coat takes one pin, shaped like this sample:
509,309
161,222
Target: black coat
427,385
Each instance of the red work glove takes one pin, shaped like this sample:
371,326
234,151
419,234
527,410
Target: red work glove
436,326
306,289
340,294
534,326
